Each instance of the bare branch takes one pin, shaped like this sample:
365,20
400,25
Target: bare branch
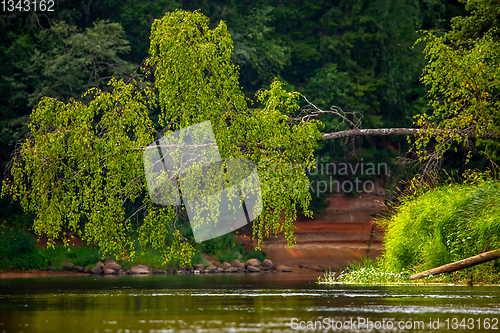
403,131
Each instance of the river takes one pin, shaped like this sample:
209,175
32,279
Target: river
269,302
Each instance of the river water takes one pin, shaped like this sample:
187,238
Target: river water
279,302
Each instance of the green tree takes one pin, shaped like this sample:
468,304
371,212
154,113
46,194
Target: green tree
83,161
463,74
65,62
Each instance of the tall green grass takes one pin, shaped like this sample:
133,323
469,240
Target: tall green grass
433,227
445,224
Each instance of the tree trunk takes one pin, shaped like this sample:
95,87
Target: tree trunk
458,265
399,131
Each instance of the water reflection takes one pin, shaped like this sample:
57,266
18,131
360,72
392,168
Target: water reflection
234,303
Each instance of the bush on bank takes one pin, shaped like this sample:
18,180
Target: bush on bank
437,226
18,249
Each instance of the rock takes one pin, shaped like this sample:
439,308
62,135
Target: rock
68,265
159,271
111,265
86,269
252,269
139,269
79,269
108,271
252,262
231,270
111,260
100,264
226,265
267,264
238,264
199,266
96,270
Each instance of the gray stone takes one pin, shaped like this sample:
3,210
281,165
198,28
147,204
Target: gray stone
79,269
159,271
252,262
231,270
96,270
100,264
207,262
139,269
253,269
226,265
267,264
199,266
238,264
111,260
68,265
108,271
210,269
111,265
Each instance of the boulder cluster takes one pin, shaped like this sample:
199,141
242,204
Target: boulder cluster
250,266
110,267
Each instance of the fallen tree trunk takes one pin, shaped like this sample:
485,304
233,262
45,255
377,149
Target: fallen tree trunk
400,131
458,265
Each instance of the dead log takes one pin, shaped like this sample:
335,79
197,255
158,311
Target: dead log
458,265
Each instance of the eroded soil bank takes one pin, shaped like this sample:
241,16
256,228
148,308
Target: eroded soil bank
344,232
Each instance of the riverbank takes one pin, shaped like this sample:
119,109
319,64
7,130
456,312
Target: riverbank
343,233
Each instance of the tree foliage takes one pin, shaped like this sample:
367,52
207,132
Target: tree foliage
83,161
463,77
66,62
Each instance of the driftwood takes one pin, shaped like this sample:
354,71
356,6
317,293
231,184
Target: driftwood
458,265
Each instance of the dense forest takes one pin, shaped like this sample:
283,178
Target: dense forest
365,59
356,55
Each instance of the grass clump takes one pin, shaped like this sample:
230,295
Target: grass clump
445,224
434,226
364,272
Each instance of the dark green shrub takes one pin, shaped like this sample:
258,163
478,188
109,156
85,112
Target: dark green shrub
255,254
19,250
